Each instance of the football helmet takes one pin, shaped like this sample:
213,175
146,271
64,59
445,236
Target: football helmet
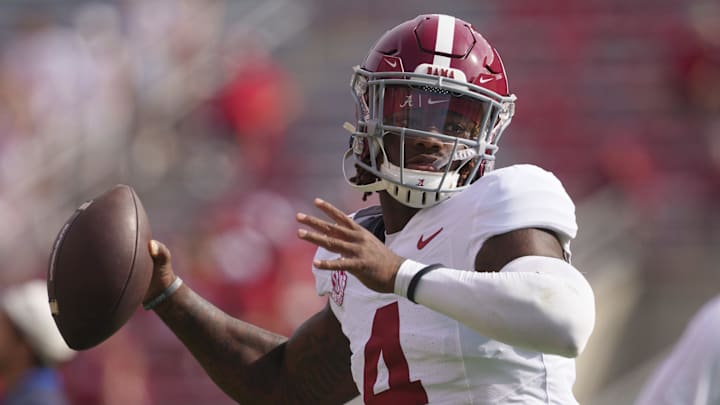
432,102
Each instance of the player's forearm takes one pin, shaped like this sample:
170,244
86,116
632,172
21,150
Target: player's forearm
255,366
244,361
541,304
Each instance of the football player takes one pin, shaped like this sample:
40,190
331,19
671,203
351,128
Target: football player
457,289
689,373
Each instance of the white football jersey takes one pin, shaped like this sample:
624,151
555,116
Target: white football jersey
405,353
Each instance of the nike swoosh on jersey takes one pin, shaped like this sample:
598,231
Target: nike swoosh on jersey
423,242
392,63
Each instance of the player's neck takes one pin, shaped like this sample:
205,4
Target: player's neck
395,214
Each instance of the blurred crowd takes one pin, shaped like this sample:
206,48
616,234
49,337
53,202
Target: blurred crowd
186,101
192,111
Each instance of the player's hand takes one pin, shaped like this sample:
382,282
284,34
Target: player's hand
163,274
361,253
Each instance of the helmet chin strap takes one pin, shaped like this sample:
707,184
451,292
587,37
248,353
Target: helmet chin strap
349,127
378,185
415,197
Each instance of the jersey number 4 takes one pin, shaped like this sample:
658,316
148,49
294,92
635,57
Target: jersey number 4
385,339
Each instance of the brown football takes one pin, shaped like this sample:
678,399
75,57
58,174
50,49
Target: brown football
100,267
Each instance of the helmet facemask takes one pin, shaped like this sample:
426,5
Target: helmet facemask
423,138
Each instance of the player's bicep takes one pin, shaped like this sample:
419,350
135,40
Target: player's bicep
500,250
317,363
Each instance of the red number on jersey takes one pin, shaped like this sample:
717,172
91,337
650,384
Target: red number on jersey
385,338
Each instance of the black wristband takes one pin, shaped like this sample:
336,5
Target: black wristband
416,278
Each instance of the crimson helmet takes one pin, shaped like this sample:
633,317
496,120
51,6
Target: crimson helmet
432,102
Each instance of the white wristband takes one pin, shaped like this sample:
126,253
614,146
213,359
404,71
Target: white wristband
164,295
408,277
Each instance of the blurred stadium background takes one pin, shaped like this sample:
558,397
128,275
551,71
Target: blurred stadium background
226,116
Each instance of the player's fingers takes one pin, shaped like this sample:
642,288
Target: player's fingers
163,274
159,253
335,213
325,227
328,242
337,264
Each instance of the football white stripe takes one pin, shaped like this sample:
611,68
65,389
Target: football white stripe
444,40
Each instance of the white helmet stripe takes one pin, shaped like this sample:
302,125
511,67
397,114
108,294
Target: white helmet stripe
444,40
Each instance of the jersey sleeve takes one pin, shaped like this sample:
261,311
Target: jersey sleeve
521,196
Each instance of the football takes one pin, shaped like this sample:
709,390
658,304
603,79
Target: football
100,267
